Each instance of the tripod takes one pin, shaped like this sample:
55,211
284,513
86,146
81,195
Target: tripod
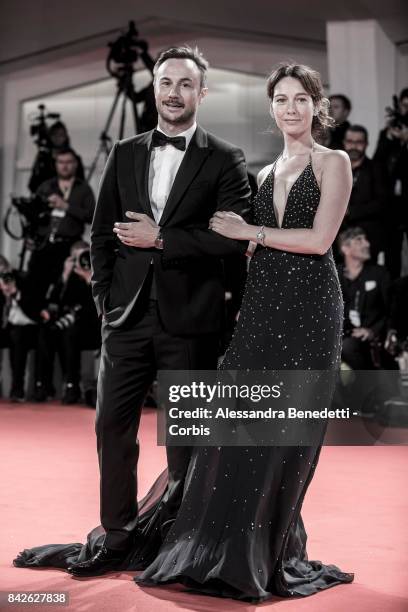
125,91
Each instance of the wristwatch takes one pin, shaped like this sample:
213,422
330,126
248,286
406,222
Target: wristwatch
260,236
159,242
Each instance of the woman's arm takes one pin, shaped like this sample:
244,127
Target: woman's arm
335,193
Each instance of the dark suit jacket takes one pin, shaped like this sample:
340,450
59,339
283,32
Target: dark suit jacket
393,156
368,201
369,295
188,272
81,206
399,307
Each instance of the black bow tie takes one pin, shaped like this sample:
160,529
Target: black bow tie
159,140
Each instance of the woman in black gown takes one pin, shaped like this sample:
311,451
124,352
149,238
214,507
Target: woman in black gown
239,532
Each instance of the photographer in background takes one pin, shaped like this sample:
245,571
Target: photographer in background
340,109
369,194
70,325
365,289
20,317
392,154
71,204
50,141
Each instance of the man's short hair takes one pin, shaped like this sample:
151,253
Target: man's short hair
403,94
185,52
349,234
66,151
345,100
358,128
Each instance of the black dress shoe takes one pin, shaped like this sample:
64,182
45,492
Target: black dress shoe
17,395
43,392
105,560
72,394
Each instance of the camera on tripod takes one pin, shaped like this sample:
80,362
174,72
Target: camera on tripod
34,219
39,129
125,51
35,210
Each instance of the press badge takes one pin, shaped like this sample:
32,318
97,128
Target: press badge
370,285
354,317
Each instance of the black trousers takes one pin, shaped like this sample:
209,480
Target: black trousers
46,265
357,354
22,339
393,250
130,357
68,344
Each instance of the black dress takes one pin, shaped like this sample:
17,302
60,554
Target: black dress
238,532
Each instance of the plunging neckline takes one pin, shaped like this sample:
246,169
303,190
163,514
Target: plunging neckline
272,174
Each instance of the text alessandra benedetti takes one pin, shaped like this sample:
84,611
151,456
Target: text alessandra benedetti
289,413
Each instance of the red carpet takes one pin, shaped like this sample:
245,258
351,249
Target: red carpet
355,515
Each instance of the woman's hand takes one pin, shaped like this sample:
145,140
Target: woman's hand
229,224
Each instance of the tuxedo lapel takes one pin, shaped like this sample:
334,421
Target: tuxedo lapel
142,152
194,158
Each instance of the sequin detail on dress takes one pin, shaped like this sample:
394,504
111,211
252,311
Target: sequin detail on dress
239,531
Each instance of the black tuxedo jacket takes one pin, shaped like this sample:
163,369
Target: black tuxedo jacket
189,271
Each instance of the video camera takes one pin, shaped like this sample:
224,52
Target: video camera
125,50
34,209
39,128
33,215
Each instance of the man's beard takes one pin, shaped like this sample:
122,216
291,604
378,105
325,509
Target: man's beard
183,118
355,155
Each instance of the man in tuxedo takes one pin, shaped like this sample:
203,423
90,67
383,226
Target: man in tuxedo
157,282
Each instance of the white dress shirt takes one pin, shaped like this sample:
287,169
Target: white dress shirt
164,164
16,315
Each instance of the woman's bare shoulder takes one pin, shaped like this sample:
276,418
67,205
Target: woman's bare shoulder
330,157
262,174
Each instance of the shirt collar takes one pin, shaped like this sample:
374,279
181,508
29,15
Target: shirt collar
188,134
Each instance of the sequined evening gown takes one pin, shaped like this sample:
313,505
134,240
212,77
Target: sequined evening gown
238,532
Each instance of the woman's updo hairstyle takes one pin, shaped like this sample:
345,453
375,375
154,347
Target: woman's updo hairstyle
312,83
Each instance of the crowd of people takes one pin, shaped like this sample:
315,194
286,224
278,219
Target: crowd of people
369,245
49,307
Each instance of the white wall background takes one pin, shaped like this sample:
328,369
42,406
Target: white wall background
77,86
55,52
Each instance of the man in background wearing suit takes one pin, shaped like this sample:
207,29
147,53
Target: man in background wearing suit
157,281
